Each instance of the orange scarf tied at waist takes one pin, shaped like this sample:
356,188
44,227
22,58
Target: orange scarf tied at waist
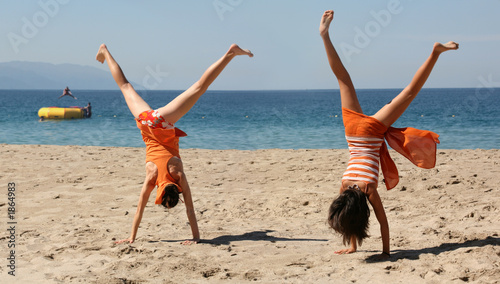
418,146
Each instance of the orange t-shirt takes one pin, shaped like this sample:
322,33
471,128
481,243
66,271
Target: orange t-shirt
161,145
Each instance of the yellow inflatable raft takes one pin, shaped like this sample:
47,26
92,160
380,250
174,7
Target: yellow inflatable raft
61,112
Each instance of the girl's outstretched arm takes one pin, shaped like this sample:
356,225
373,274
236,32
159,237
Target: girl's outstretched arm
379,211
188,200
147,188
176,170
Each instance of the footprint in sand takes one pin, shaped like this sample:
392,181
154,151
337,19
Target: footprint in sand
252,275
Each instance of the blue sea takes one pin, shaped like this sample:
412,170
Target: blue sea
248,120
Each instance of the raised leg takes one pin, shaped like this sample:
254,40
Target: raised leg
348,95
134,102
179,106
389,113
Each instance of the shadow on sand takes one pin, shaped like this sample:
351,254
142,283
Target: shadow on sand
256,236
415,254
251,236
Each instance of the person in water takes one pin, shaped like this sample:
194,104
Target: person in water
87,111
349,212
164,167
67,92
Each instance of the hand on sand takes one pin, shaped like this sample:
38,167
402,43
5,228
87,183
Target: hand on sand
190,242
129,240
345,251
326,19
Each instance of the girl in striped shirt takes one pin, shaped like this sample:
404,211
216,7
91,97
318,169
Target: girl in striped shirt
366,135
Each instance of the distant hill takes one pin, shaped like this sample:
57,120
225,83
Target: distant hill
37,75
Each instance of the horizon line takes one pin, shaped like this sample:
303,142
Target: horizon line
232,90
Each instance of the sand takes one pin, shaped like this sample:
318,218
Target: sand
262,218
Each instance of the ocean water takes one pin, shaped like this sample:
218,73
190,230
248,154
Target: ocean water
248,120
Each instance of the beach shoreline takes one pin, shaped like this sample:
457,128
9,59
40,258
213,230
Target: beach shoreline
261,213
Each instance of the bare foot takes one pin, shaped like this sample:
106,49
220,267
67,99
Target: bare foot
442,47
236,50
326,19
100,54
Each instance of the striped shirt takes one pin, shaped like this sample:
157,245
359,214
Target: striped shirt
365,136
364,159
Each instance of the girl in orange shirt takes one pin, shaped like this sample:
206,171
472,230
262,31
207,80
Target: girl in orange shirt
349,212
163,164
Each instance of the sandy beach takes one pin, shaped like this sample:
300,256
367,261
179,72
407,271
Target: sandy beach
262,218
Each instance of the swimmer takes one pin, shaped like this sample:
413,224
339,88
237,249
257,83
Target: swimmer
349,212
164,168
67,92
87,111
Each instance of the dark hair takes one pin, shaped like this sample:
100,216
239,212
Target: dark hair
349,214
171,196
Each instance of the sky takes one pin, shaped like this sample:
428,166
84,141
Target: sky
165,44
